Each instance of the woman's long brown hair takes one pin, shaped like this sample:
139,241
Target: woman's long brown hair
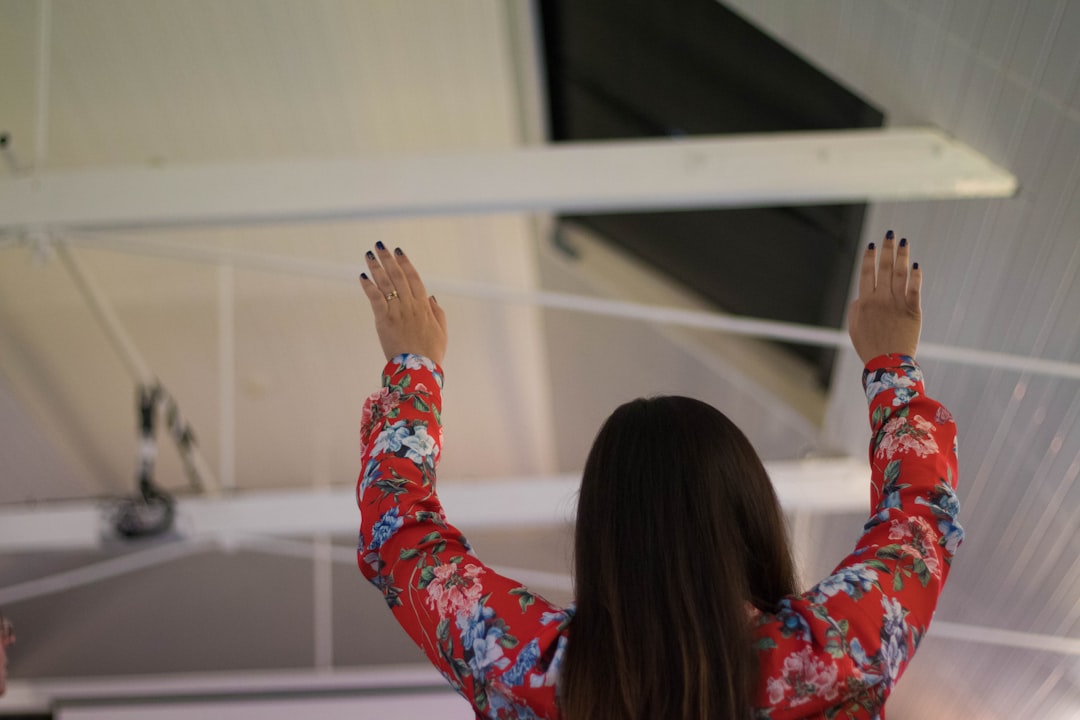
679,533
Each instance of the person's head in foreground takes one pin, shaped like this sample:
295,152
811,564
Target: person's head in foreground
676,504
7,637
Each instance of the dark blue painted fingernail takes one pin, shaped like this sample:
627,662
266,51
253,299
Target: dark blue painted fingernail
380,246
889,235
903,242
915,266
397,251
370,255
870,246
363,276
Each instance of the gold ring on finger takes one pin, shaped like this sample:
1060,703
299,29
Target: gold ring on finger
391,295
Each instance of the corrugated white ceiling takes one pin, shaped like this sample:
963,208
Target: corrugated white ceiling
153,82
1002,275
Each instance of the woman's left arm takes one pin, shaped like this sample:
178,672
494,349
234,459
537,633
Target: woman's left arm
497,643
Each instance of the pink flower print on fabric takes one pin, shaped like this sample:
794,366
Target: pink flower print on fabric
365,420
387,400
899,530
907,434
925,540
803,677
379,405
916,527
943,416
915,537
932,564
453,592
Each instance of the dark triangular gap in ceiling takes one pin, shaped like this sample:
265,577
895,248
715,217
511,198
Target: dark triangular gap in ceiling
632,69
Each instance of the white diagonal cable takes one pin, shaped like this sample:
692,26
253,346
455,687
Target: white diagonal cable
95,572
750,327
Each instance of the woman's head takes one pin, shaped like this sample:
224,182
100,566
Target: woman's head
678,533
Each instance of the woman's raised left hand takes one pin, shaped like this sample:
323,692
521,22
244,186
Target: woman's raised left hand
407,319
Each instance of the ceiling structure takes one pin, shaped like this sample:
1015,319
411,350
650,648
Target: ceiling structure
260,335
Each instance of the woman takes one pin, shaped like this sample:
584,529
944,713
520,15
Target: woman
686,605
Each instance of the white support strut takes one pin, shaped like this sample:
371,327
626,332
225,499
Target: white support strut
702,172
824,485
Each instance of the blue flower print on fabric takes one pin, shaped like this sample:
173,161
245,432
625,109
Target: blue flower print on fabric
554,669
482,639
854,581
946,505
385,528
903,382
525,662
372,473
409,361
420,447
792,624
553,617
894,634
391,438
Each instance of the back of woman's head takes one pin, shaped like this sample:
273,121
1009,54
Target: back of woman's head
679,534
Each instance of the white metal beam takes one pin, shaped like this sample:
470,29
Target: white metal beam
835,485
724,171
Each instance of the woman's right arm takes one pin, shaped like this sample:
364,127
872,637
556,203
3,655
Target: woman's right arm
842,645
846,641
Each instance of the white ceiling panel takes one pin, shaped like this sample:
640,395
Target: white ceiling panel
157,82
270,359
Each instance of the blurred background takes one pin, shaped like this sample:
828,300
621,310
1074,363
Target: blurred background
258,335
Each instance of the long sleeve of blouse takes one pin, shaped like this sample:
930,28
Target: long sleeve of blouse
834,651
838,649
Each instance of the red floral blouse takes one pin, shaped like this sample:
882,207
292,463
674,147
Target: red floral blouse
834,651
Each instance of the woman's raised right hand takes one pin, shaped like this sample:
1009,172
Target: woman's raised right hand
886,317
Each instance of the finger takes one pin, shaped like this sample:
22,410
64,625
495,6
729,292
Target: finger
440,314
886,259
867,270
393,271
374,295
914,290
900,270
412,276
378,274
